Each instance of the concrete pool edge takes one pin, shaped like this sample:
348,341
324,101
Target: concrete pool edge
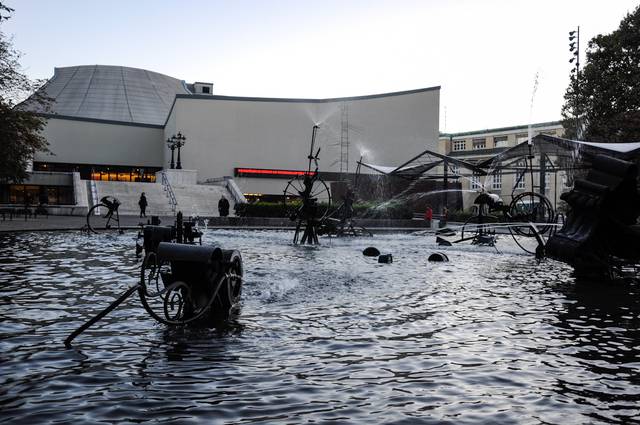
66,223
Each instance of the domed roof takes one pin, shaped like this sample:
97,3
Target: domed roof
112,93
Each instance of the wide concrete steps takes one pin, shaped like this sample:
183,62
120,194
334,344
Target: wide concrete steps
193,200
200,200
129,194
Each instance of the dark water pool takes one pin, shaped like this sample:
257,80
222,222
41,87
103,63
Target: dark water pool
325,335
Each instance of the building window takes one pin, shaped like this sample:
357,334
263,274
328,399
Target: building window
496,181
521,138
34,195
455,169
522,182
479,143
475,182
548,182
500,141
459,145
206,89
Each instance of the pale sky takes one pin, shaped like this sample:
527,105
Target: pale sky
484,54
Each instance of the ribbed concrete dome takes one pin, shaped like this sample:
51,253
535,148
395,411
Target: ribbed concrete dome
114,93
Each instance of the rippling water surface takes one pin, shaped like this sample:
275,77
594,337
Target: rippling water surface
324,335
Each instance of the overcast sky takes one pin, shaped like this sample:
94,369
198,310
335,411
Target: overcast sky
484,54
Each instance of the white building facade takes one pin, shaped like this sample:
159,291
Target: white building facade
112,123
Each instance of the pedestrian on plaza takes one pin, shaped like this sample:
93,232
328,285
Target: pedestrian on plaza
428,215
223,207
143,205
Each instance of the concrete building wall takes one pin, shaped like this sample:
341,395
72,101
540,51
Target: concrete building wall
224,133
91,142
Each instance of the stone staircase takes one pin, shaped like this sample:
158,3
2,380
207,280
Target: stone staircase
193,200
129,193
201,200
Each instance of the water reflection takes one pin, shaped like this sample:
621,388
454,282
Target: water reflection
324,335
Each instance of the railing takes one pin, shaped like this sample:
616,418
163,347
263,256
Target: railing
94,195
168,190
231,186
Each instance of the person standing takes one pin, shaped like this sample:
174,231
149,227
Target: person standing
428,215
223,207
143,205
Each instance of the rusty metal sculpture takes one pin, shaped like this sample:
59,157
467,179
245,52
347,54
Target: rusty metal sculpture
104,215
342,222
302,196
182,282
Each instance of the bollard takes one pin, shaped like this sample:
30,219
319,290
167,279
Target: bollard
385,259
438,257
371,252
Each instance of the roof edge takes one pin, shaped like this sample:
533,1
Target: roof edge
498,129
305,100
98,120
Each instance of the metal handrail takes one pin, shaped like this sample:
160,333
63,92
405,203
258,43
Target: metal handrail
169,191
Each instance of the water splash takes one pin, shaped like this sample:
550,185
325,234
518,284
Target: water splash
533,96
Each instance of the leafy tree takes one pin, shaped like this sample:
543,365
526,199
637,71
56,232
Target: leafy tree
605,94
20,136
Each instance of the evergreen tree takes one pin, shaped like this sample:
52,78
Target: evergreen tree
605,93
20,136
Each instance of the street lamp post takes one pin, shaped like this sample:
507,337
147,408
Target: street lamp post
574,48
179,142
172,147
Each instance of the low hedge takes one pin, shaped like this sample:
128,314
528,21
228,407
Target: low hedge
385,210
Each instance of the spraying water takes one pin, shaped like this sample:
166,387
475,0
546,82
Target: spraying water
533,95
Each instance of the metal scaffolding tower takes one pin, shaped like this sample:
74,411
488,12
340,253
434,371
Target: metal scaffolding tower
344,140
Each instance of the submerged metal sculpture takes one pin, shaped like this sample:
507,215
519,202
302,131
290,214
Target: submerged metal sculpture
601,237
301,196
104,215
341,222
182,282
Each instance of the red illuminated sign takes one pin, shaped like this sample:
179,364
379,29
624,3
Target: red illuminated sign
262,172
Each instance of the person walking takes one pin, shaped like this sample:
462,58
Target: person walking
143,205
223,207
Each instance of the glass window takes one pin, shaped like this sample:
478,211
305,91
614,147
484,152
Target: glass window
500,141
16,194
455,169
459,145
522,182
496,181
475,182
548,180
522,137
479,143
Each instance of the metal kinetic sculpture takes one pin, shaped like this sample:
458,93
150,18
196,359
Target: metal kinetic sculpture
601,237
529,214
182,282
341,221
103,215
301,196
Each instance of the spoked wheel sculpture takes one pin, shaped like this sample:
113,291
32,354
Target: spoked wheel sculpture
529,215
531,207
302,196
173,301
104,215
341,222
